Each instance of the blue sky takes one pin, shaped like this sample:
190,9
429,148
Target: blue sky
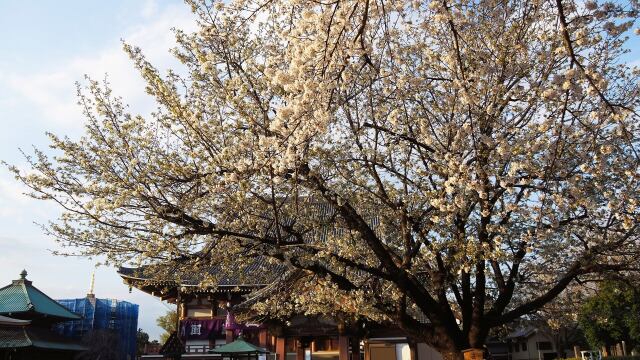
45,46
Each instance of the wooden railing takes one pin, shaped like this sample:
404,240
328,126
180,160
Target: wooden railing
202,349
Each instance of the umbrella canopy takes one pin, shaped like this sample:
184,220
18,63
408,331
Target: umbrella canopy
239,347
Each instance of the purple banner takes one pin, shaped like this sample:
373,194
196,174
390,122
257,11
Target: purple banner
231,324
201,329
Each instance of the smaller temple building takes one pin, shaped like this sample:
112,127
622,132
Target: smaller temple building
26,318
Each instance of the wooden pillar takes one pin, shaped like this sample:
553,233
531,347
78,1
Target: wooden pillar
299,350
355,348
229,336
343,347
262,338
413,350
281,350
367,352
178,313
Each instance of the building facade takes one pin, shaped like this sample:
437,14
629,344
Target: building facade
207,321
532,344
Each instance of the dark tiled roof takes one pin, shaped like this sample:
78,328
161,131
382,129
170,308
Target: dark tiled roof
26,336
22,297
524,332
256,274
13,337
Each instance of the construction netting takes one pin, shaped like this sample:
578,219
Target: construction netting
103,314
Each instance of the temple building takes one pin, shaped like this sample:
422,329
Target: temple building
26,318
207,322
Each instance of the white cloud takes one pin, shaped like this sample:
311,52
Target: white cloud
11,198
44,99
52,91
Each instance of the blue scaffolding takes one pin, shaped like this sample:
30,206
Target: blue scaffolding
100,314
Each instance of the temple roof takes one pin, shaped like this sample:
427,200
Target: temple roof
30,336
7,321
250,274
523,332
256,274
21,297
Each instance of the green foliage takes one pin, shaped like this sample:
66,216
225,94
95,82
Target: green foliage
611,316
142,338
168,322
103,344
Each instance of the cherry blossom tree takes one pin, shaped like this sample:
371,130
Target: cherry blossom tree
419,162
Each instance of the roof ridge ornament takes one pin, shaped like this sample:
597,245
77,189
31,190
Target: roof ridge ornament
22,279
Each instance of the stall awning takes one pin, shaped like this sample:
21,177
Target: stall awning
238,347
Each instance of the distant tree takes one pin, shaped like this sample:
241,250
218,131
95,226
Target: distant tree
142,339
168,322
612,315
103,345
